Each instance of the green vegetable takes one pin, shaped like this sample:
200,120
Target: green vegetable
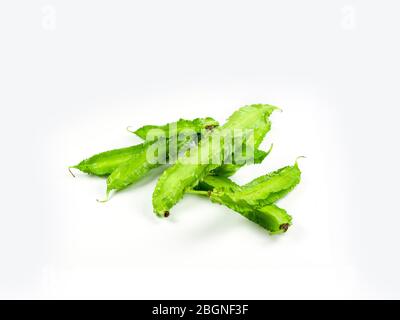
198,125
128,165
271,217
188,171
213,183
175,128
228,170
139,166
203,168
134,169
131,171
268,188
255,200
260,192
103,164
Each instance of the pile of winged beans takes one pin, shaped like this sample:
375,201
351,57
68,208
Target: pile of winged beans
255,200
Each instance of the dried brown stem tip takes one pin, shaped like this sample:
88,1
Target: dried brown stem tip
166,214
284,227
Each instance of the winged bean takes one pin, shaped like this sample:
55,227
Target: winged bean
230,169
134,169
104,163
259,193
187,171
173,129
258,209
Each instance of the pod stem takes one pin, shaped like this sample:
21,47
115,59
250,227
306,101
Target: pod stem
300,157
70,171
129,129
270,149
199,192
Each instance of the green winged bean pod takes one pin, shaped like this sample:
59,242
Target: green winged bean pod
175,128
230,169
268,188
269,216
198,125
138,167
126,166
104,163
187,172
130,172
134,169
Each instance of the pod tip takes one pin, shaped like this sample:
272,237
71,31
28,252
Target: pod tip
129,129
106,198
70,171
102,201
284,227
300,157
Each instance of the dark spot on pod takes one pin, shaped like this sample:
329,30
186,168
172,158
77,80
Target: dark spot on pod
166,214
210,127
284,227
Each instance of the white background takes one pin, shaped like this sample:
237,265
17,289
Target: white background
74,74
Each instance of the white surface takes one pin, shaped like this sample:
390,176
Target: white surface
72,82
